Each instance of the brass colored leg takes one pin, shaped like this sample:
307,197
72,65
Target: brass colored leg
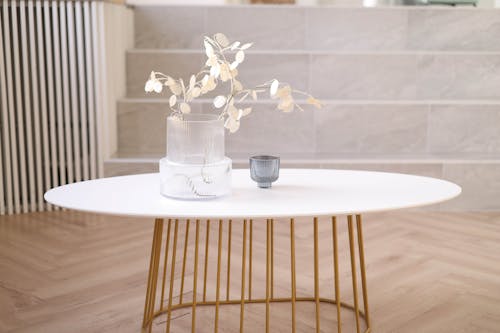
336,271
250,263
217,290
272,258
363,272
268,255
292,264
172,275
150,278
207,239
167,244
228,258
153,273
243,264
316,273
186,239
195,277
353,270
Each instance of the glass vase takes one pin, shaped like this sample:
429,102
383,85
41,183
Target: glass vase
195,166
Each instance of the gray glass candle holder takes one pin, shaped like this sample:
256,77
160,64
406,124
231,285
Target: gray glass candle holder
264,170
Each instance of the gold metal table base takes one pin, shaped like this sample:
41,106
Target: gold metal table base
159,303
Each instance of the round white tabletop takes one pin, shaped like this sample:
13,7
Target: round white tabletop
298,192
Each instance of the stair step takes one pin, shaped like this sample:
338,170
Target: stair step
337,128
320,28
345,76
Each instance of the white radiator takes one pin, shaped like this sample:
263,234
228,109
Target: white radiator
50,98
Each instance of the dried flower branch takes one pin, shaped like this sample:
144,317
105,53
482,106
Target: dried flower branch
219,69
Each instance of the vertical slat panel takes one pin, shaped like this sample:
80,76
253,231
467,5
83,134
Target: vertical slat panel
100,77
65,91
51,98
96,47
19,108
37,200
31,199
80,47
51,94
89,54
73,90
43,101
6,170
58,92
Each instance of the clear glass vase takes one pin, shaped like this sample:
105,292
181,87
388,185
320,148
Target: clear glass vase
195,166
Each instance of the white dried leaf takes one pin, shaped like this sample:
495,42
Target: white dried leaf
204,81
246,46
192,82
196,92
211,85
149,86
169,81
215,71
232,124
246,111
152,76
172,100
237,85
175,88
185,108
240,56
219,101
232,111
233,65
157,86
209,50
235,46
221,39
225,72
274,87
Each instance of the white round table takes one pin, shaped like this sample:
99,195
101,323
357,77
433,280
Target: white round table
297,193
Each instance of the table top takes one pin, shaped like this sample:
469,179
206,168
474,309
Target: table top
298,192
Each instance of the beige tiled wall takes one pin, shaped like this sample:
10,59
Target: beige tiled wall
406,89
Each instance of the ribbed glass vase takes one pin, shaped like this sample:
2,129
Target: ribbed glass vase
195,166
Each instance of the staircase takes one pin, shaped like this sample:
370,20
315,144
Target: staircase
406,89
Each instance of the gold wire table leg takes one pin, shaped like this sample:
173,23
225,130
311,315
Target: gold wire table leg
207,239
292,265
150,277
153,273
156,267
172,275
228,258
362,268
316,273
195,277
272,258
243,264
336,271
250,262
186,239
167,244
353,270
268,248
217,290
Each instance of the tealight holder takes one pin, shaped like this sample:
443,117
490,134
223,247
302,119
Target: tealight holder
264,170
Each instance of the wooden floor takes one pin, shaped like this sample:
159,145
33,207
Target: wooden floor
427,272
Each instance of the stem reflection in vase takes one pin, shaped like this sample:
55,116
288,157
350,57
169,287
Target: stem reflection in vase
195,166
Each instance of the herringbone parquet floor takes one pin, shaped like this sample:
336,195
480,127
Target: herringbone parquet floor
427,272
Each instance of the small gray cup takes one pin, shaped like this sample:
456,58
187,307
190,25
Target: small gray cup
264,170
